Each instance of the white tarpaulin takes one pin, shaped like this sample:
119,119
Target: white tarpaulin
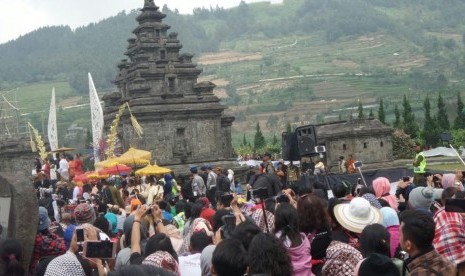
439,151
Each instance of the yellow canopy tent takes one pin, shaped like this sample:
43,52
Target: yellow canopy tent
153,170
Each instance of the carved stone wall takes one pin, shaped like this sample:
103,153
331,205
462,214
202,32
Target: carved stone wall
23,215
16,155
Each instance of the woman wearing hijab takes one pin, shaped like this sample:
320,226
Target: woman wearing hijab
382,188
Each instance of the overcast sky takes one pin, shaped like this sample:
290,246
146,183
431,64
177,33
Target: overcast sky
18,17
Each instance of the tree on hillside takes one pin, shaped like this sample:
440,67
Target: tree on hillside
441,80
259,140
430,131
371,115
459,122
442,119
274,139
244,141
288,127
272,121
397,116
381,114
360,110
409,125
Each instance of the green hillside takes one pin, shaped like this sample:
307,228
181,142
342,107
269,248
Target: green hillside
304,61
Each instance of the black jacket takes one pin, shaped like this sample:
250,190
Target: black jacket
223,184
269,181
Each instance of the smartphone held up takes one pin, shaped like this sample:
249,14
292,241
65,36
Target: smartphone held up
99,250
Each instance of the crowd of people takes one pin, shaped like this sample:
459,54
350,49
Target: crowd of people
204,224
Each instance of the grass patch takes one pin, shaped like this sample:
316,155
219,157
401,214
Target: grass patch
447,167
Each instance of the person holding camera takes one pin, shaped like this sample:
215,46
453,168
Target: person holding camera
73,263
404,187
159,246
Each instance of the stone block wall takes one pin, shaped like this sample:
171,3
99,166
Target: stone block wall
16,155
368,149
179,141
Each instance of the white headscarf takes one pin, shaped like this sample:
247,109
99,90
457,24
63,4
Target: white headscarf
66,264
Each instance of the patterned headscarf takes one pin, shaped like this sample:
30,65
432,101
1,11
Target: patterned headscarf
373,200
163,260
259,220
197,225
66,264
341,259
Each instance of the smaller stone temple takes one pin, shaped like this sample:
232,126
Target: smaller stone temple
369,140
183,121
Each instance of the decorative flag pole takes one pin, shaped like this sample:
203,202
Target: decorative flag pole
38,142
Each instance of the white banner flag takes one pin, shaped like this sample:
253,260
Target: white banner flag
52,124
97,118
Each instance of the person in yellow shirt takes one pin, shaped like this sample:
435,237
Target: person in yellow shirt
419,166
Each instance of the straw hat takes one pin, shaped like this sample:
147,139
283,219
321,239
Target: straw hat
357,214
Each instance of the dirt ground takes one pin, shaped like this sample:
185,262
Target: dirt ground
227,57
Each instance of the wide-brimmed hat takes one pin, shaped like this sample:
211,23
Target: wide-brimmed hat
357,214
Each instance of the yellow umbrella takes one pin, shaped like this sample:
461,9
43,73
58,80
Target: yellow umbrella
134,162
152,170
135,157
107,163
95,175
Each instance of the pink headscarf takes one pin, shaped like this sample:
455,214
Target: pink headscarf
382,188
448,180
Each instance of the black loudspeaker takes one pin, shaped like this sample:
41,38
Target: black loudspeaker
289,146
306,140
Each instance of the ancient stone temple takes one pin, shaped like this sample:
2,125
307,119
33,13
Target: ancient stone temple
370,141
183,121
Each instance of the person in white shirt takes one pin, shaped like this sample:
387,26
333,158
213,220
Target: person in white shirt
189,263
231,180
64,168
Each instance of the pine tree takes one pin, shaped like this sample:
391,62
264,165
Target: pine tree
381,114
244,141
259,141
288,127
371,115
360,110
430,131
409,124
459,122
442,119
397,115
274,140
